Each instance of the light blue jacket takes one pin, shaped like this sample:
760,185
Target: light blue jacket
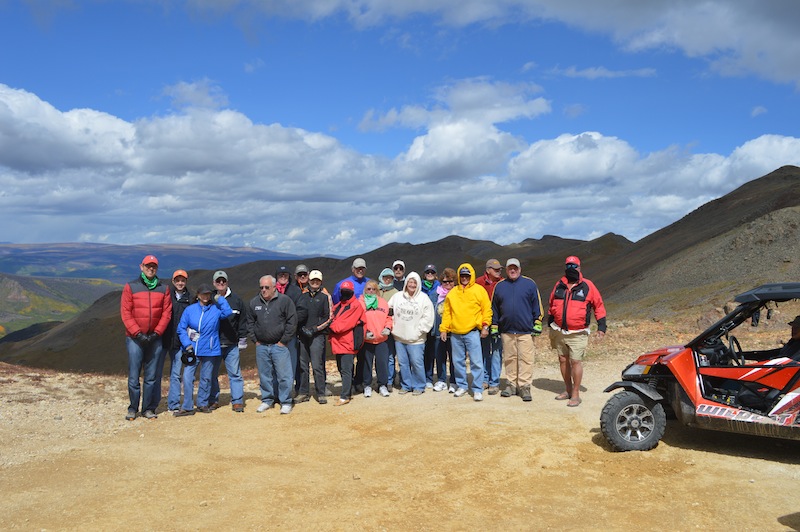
205,320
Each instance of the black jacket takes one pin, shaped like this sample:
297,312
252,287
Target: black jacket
234,326
179,303
273,321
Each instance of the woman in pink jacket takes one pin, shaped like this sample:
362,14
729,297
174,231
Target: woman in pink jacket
378,327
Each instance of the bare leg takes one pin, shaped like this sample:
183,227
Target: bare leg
566,373
577,376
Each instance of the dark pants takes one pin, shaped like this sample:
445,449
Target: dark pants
312,350
375,355
345,365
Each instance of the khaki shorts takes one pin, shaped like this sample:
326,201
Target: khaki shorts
569,345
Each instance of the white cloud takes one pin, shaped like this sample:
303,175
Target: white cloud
603,73
758,110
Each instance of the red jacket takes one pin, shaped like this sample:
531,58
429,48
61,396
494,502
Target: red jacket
571,309
376,320
145,311
486,282
347,327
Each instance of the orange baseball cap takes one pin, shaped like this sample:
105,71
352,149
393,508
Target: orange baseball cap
180,272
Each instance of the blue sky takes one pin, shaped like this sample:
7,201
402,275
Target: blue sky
340,126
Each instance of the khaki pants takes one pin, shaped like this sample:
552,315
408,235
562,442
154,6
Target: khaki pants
518,358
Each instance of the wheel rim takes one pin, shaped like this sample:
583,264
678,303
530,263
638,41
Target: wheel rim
635,423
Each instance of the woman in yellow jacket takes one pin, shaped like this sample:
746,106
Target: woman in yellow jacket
466,318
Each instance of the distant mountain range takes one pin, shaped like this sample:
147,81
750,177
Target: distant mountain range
748,237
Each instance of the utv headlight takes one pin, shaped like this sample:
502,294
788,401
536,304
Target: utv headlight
635,369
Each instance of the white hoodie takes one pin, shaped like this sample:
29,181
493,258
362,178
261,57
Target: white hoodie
412,315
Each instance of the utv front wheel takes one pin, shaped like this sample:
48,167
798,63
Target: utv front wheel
631,422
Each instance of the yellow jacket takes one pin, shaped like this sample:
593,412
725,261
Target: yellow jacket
466,308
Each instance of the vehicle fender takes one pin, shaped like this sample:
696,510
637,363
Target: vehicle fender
639,387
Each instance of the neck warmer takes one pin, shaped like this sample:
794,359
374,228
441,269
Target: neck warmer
371,301
427,285
441,291
281,287
149,283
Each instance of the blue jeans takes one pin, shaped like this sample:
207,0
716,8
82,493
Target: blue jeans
492,348
230,356
176,367
377,355
294,354
189,373
209,366
461,345
142,357
412,365
274,362
155,398
392,357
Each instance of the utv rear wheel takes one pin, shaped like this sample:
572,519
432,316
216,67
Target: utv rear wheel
631,422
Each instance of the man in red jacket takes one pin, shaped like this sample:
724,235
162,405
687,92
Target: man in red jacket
572,301
146,310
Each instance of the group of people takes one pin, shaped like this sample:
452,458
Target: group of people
428,325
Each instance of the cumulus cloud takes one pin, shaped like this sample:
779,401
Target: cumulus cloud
603,73
213,176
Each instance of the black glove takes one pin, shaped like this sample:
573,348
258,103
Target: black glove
141,339
153,336
307,331
188,357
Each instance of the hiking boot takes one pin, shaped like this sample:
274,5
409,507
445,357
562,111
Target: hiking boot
131,415
181,413
213,406
485,385
508,391
149,414
302,398
417,392
525,393
321,399
238,407
204,409
493,390
403,391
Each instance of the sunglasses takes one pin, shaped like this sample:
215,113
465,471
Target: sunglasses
399,268
265,287
302,274
221,281
448,281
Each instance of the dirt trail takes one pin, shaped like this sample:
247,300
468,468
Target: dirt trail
70,461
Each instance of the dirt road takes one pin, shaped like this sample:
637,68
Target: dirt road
70,461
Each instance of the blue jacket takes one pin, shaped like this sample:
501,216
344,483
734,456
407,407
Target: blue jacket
205,320
516,305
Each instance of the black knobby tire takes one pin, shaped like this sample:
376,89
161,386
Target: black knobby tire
631,422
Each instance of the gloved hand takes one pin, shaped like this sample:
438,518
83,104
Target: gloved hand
494,330
153,336
188,358
370,335
141,338
216,297
386,331
537,328
307,331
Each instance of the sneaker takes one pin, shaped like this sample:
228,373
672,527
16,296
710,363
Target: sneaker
131,415
367,391
149,414
384,391
459,392
508,391
213,406
389,388
302,398
478,396
181,413
451,389
417,392
525,393
286,409
428,385
403,391
439,386
493,390
238,407
263,407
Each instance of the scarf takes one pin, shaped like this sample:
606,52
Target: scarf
149,283
371,301
427,285
281,287
441,291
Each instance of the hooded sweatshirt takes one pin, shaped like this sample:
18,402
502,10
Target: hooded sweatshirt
466,308
412,314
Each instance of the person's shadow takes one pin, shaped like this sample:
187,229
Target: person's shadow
551,385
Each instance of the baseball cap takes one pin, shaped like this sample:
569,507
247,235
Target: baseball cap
280,270
512,262
399,263
493,264
464,271
150,259
315,274
347,285
301,268
359,263
218,274
204,289
572,259
430,268
180,272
